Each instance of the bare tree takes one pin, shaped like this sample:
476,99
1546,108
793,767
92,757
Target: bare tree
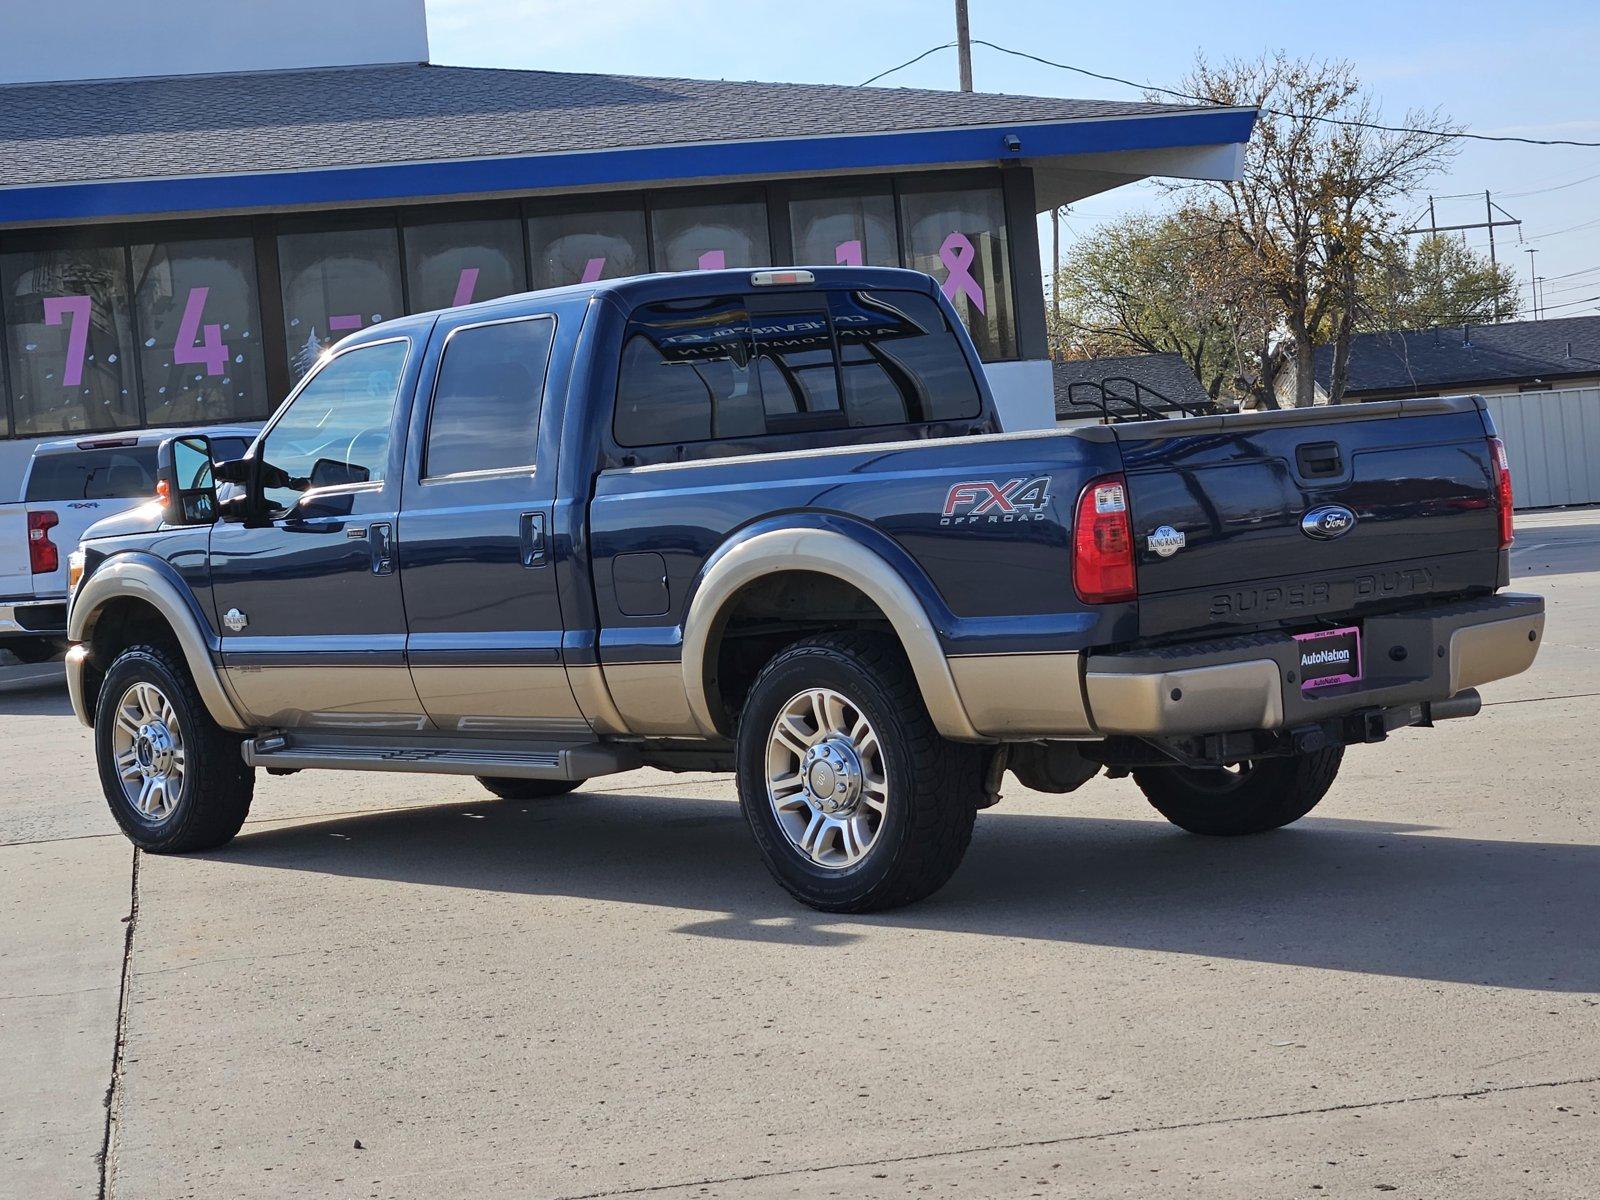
1315,204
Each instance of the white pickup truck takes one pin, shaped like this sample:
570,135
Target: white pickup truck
69,485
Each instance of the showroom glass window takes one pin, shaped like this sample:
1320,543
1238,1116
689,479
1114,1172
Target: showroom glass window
335,281
200,351
69,340
584,245
856,231
710,236
461,262
959,237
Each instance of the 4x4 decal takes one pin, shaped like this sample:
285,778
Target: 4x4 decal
987,500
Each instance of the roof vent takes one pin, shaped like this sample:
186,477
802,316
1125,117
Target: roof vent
1466,335
1569,349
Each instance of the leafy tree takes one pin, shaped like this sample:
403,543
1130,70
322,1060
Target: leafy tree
1154,284
1437,280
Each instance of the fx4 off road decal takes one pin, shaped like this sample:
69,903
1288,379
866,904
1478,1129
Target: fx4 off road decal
995,503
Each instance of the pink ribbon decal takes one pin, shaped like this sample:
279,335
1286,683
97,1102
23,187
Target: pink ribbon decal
713,260
464,287
592,270
347,321
850,254
957,254
56,310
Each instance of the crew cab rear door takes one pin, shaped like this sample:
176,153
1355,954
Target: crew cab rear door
476,545
1255,519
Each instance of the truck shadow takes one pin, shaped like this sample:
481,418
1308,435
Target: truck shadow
1378,898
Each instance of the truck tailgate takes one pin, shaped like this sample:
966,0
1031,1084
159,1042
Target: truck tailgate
16,575
1416,475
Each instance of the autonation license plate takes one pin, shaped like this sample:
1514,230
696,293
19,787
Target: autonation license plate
1329,657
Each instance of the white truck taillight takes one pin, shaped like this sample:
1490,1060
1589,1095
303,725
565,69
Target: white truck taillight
43,556
1102,543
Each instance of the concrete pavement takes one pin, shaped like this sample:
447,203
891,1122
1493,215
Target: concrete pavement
606,995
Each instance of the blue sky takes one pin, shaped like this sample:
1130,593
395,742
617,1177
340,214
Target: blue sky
1494,67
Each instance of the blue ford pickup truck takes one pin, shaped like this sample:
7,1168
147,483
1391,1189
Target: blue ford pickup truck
767,522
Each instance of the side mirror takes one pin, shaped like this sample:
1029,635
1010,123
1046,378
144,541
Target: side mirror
185,480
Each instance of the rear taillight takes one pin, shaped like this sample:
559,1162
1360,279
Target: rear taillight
1102,543
1501,467
43,556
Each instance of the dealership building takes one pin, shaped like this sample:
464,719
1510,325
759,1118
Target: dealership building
182,234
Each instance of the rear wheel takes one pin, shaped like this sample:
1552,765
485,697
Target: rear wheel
855,800
174,778
1251,797
530,789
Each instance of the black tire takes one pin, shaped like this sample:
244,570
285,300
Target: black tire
932,788
217,786
530,789
1263,795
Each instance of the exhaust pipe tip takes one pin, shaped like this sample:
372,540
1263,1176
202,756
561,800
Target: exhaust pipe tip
1465,703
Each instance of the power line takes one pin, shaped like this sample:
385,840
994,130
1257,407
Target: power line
908,63
1276,112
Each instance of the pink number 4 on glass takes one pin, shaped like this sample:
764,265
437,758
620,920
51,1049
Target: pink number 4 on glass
193,346
56,310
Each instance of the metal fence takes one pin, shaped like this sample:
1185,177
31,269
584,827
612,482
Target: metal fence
1553,441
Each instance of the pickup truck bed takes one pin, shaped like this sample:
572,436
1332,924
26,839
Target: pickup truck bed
765,521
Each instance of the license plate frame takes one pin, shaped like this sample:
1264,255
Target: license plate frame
1329,658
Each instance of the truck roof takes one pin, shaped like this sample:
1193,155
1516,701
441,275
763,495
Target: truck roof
670,285
137,437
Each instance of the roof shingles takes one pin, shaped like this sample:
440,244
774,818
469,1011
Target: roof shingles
1431,360
358,116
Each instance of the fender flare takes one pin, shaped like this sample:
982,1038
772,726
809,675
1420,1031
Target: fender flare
149,579
822,552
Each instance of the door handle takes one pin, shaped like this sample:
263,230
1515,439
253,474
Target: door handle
380,536
534,551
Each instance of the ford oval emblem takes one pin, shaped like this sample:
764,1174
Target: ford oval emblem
1327,521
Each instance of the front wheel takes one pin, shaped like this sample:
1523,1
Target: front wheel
1250,797
855,800
174,778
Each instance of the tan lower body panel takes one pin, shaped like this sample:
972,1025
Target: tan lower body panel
1011,696
482,699
1495,650
1230,696
650,698
345,697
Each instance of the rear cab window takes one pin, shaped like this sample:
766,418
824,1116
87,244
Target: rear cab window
112,473
752,369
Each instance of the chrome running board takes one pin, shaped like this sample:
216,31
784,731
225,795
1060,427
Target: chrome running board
301,752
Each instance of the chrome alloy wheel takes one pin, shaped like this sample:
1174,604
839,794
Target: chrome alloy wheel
826,779
147,745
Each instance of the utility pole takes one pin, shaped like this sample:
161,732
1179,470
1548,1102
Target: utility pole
1055,265
964,45
1490,208
1533,280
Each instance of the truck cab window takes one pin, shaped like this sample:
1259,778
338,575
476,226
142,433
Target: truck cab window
687,374
795,366
336,431
486,402
900,360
